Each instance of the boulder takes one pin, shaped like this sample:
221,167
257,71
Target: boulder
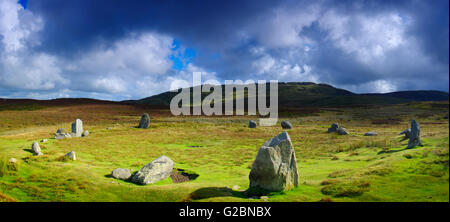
120,173
158,169
251,124
407,133
77,128
61,134
275,166
334,127
71,155
414,138
85,133
342,131
145,121
371,134
36,149
286,124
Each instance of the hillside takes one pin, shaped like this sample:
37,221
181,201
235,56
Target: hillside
300,94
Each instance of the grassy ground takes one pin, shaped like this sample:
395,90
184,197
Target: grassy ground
221,151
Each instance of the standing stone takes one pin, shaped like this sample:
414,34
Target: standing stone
251,124
120,173
71,155
158,169
275,166
414,138
36,149
334,127
77,128
286,124
407,133
342,131
371,134
145,121
85,133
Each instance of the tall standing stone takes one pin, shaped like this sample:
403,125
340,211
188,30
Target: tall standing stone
158,169
414,138
77,128
36,149
275,166
145,121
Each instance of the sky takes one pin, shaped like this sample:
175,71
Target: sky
120,50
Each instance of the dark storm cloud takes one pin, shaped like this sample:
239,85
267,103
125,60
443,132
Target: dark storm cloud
123,49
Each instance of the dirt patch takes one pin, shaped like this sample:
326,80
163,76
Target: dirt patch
181,176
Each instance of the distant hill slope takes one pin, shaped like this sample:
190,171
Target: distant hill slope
304,94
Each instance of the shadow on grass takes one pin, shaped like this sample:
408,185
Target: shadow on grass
28,150
395,151
210,192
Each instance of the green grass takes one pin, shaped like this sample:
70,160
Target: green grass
221,150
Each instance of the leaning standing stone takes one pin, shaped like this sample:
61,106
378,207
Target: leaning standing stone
251,124
275,166
414,138
334,127
77,128
71,155
158,169
120,173
286,124
36,149
145,121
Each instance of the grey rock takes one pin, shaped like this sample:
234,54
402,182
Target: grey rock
71,155
407,133
371,134
77,128
36,149
145,121
286,124
44,140
63,136
158,169
275,166
120,173
12,160
334,127
85,133
342,131
252,124
414,139
61,131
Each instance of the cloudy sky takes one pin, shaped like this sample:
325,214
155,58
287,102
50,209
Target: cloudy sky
117,50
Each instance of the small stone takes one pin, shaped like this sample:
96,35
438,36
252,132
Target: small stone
44,140
120,173
371,134
342,131
71,155
12,160
235,187
109,128
252,124
85,133
334,127
407,133
286,124
265,198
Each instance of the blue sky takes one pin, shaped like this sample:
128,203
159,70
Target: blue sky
117,50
